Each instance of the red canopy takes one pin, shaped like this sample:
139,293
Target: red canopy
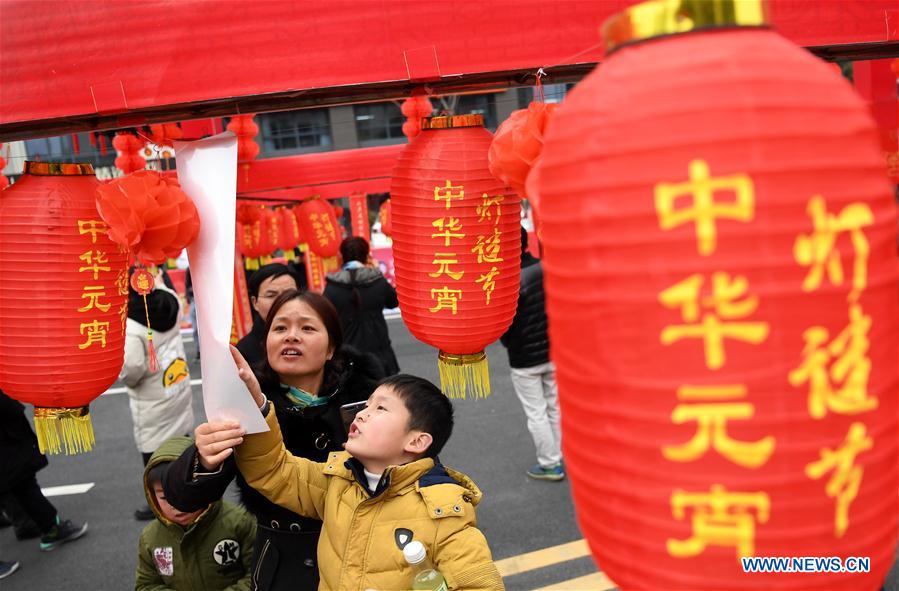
77,66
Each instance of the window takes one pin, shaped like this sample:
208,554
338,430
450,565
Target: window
306,130
378,124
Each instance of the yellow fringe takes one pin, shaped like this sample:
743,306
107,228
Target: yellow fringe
464,374
59,428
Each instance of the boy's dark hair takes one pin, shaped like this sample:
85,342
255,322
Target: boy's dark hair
157,473
429,410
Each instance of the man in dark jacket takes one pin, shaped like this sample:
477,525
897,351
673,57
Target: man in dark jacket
265,285
533,374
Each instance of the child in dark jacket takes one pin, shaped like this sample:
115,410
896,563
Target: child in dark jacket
208,549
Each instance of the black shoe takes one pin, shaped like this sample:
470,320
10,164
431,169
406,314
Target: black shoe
62,532
28,531
144,513
7,568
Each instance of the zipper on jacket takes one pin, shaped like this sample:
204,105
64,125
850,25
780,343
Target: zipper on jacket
259,563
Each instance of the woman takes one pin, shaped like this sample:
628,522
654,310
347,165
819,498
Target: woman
360,293
307,374
160,401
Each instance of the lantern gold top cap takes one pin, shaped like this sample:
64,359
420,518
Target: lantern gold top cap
449,121
657,18
59,168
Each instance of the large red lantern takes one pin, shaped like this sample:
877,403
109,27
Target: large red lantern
319,225
456,247
719,243
63,301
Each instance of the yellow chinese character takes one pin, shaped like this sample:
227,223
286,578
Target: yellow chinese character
489,282
446,299
487,202
93,293
705,210
487,248
846,479
446,193
843,363
711,426
96,333
720,518
721,304
123,315
444,260
449,228
94,260
818,249
92,227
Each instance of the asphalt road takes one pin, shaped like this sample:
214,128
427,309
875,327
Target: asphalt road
490,443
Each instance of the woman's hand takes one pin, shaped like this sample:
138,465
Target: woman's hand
216,441
246,374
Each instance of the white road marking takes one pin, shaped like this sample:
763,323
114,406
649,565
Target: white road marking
67,489
123,389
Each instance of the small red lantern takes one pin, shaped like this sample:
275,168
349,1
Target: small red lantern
384,216
456,247
165,134
721,285
129,146
319,226
78,292
289,231
415,108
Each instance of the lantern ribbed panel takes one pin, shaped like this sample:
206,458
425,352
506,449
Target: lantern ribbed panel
746,103
41,291
458,155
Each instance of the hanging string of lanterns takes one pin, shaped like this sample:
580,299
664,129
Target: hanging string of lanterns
246,130
129,147
415,108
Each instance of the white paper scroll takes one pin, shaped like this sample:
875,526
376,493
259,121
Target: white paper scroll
207,171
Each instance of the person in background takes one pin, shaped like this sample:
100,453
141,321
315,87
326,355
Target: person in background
264,285
360,293
20,460
210,548
533,374
307,375
189,293
160,401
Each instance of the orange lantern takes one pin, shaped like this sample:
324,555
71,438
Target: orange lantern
129,146
384,216
319,225
721,288
456,247
63,301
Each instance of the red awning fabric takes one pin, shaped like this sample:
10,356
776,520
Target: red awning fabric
328,174
77,66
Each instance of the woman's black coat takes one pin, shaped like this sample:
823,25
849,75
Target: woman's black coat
285,550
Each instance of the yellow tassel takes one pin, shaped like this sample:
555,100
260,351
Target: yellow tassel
464,374
59,428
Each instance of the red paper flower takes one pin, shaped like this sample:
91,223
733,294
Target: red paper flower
149,214
517,144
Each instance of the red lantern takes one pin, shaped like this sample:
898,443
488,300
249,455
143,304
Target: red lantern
456,247
62,321
319,226
129,146
273,231
384,216
289,231
165,134
517,145
246,131
721,285
415,108
250,232
150,214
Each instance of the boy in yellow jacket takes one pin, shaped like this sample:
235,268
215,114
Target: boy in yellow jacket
385,490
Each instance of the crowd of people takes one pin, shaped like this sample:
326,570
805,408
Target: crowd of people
351,457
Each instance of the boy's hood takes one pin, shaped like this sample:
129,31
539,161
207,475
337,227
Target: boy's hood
364,275
170,450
